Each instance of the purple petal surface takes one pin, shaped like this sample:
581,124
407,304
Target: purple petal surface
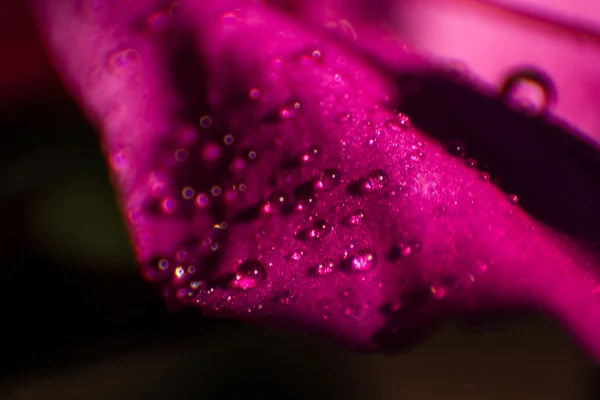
265,175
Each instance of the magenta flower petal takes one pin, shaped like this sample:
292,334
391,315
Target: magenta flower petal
264,175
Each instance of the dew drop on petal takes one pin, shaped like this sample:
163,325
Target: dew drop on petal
529,90
484,176
456,148
513,199
438,291
375,181
248,275
363,260
324,268
319,230
355,218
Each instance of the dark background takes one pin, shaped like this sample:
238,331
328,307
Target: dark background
78,322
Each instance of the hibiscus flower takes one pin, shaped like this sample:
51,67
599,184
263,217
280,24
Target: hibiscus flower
279,164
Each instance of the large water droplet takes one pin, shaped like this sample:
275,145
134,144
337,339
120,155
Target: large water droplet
530,90
248,275
363,260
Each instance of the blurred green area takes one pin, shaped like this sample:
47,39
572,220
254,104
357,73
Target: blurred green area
78,322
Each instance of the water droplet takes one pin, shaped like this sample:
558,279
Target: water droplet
187,192
530,90
456,148
254,94
375,181
324,268
355,218
513,199
363,260
205,121
168,205
472,163
296,255
484,176
248,275
329,178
